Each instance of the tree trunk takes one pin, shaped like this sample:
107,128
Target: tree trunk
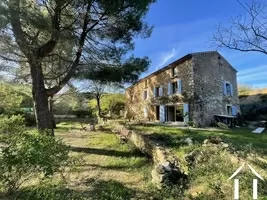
98,105
40,98
51,108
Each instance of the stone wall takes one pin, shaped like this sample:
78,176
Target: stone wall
166,165
135,102
202,76
210,71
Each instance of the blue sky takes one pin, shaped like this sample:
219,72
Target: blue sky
185,26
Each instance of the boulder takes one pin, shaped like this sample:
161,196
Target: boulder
160,169
224,145
188,141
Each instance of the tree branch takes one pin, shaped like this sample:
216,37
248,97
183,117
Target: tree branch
14,7
48,47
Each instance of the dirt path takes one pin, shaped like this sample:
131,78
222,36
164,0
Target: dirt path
104,160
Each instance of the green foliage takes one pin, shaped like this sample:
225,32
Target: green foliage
111,190
127,72
109,102
82,113
254,107
24,155
10,100
29,119
11,125
49,191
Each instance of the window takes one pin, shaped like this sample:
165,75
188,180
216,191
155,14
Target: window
145,83
145,94
227,88
174,71
229,110
174,87
157,91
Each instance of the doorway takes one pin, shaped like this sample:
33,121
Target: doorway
157,113
179,113
170,113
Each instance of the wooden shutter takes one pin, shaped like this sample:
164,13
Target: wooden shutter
169,89
162,113
179,85
186,113
155,91
234,110
161,91
224,88
231,86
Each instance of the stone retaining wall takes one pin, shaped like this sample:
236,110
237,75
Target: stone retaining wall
166,166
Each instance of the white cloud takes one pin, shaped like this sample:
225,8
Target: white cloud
166,56
253,70
258,73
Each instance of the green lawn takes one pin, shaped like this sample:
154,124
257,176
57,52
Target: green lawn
112,169
213,165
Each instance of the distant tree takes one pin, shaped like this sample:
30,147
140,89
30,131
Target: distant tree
246,33
86,35
97,89
244,89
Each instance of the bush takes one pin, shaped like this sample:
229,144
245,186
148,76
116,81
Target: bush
82,113
23,155
11,125
29,119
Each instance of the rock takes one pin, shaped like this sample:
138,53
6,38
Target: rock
215,140
188,141
167,166
222,125
206,141
160,169
224,145
92,127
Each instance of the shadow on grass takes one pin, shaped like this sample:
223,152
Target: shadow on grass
106,152
97,189
123,166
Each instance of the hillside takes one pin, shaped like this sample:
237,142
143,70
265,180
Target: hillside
253,104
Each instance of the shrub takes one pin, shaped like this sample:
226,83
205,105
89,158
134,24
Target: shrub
82,113
11,125
24,155
29,119
190,123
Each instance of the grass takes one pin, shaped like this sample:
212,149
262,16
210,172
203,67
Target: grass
103,168
106,168
211,165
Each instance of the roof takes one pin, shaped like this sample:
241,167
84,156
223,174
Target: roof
179,61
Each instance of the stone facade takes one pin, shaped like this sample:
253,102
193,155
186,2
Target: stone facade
206,86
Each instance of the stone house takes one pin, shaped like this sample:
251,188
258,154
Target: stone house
195,88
